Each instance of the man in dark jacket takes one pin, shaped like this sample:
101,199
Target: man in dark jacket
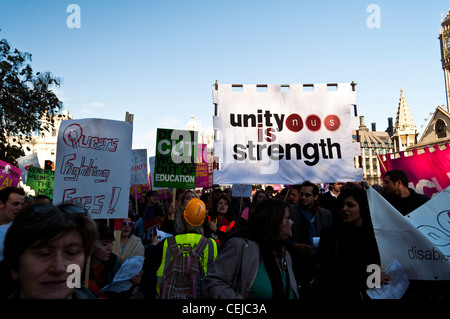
399,195
309,221
328,200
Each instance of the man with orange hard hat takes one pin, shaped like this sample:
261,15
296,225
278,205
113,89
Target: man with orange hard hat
159,256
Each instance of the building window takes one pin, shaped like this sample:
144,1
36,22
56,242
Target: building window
440,128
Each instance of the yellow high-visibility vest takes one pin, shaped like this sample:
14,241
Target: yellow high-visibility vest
190,239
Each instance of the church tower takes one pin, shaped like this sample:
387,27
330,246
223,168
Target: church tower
405,131
444,37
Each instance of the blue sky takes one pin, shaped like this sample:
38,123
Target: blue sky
160,59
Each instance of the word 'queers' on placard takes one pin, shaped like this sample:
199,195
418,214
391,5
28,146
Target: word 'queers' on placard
73,136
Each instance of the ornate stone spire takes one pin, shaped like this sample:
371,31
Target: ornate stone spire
447,18
404,117
404,128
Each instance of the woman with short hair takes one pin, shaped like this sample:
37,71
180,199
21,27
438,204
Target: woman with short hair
42,242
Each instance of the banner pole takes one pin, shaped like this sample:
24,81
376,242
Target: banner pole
118,232
174,196
215,165
287,194
165,198
87,270
381,162
358,139
136,199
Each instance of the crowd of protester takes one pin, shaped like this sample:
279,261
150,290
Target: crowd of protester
299,242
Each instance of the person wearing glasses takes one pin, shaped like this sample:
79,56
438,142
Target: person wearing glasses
309,221
130,245
41,244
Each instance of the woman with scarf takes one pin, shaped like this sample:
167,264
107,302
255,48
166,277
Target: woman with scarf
348,248
255,263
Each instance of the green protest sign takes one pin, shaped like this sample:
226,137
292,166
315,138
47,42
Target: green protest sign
175,157
41,180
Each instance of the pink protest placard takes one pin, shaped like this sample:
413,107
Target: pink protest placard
138,191
9,175
428,173
202,178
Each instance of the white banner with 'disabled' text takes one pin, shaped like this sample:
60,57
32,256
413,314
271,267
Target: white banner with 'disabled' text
417,246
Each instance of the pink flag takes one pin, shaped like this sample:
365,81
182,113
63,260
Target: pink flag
428,173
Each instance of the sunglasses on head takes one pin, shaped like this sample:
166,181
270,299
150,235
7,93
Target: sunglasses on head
67,208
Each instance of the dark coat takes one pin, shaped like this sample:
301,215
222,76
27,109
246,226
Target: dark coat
305,265
345,252
300,234
406,205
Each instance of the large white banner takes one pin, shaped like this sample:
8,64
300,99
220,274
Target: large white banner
93,166
276,137
432,219
398,239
